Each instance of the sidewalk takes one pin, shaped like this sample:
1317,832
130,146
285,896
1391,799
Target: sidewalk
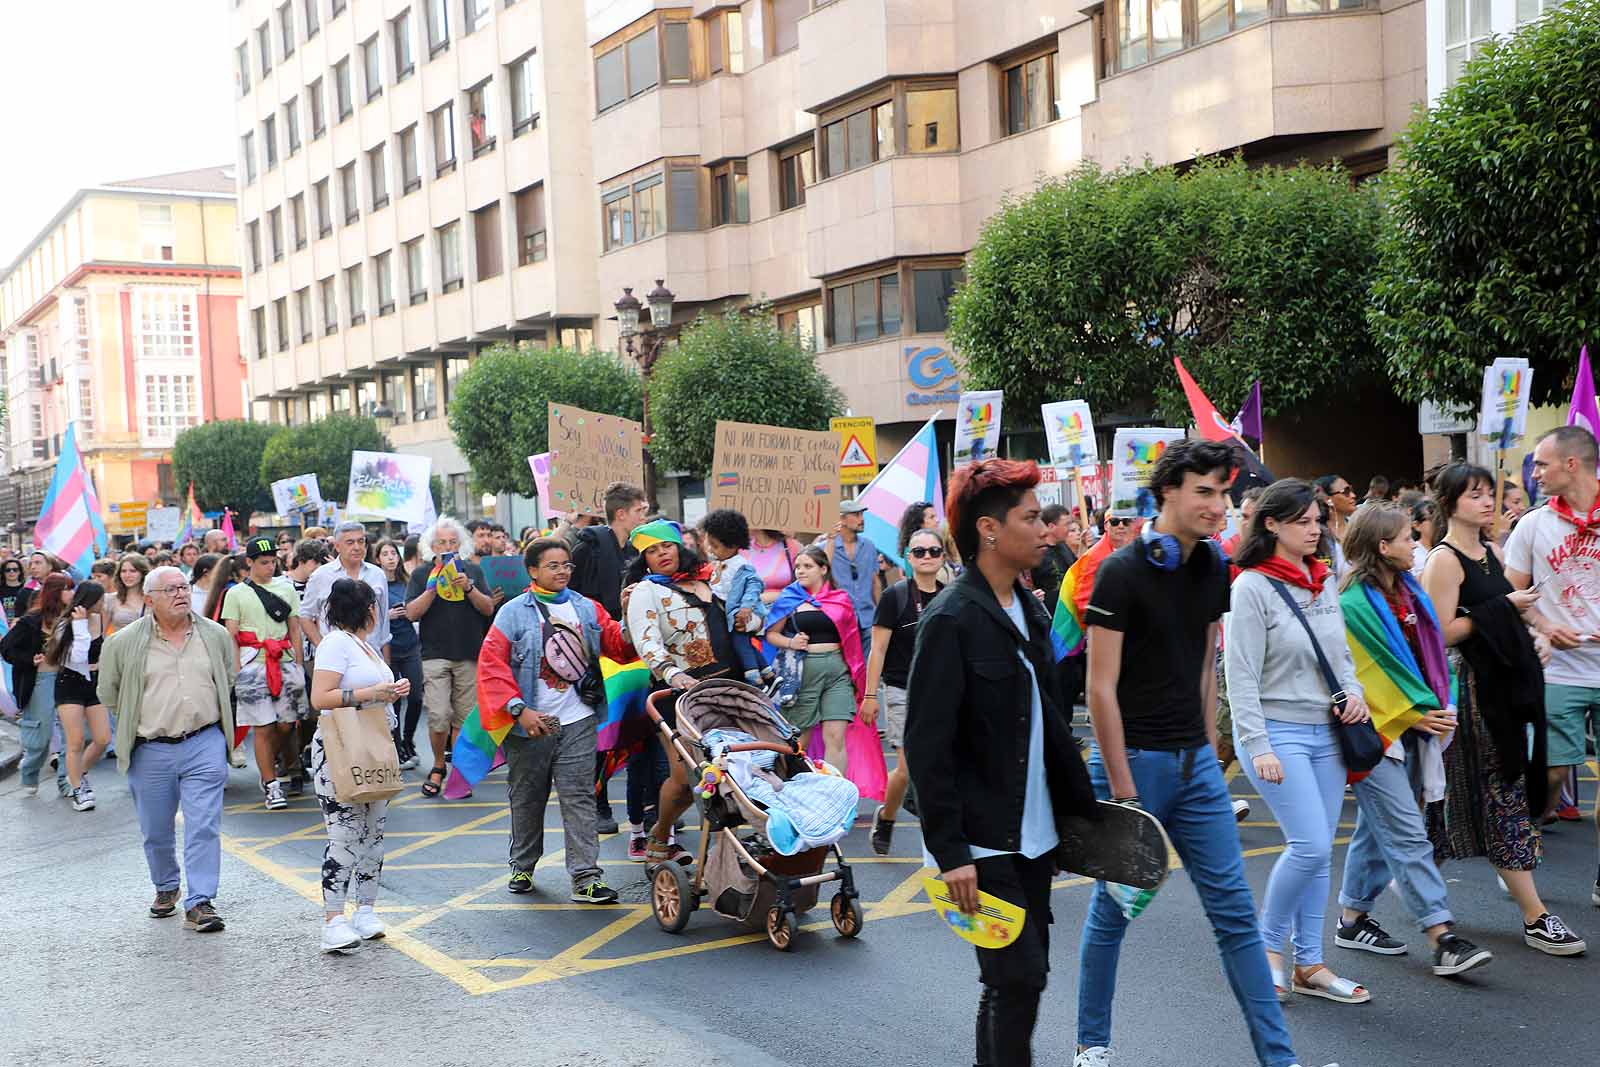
10,747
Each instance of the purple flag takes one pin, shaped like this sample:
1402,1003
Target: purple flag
1583,412
1248,422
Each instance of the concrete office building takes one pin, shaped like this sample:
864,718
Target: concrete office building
835,159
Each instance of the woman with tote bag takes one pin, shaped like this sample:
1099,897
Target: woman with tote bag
350,673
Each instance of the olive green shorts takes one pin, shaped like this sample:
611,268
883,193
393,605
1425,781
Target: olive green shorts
826,692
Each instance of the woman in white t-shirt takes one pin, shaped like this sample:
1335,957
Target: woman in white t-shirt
350,673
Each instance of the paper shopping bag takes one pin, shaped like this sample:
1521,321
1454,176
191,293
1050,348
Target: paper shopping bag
362,762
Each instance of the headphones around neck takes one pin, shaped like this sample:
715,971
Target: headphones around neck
1164,552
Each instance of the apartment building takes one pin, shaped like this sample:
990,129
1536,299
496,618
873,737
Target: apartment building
1459,30
419,178
120,317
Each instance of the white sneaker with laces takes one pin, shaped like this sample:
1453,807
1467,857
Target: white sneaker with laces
339,936
82,799
273,795
1241,810
1093,1056
366,923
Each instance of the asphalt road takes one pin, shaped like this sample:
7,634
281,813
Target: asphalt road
472,975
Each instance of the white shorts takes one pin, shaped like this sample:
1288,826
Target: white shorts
256,705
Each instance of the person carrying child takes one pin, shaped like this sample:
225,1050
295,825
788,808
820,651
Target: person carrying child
735,581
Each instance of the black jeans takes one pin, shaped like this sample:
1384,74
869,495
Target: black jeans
1014,977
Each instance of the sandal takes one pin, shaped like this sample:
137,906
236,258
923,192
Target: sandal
659,852
433,785
1280,980
1339,990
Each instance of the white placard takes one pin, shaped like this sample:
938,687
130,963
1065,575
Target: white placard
1069,431
1133,458
1434,418
1507,384
297,494
389,485
163,524
977,426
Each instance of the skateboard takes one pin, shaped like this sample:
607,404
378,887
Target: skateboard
1127,846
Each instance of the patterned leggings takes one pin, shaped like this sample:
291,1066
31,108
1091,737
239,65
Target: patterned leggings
353,858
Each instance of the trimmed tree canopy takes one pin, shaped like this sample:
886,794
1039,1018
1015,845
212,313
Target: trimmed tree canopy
223,459
1495,217
322,448
501,411
737,366
1088,287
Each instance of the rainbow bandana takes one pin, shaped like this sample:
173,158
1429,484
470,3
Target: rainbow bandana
656,532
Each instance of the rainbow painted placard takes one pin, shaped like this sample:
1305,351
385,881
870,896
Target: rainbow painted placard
996,923
388,485
977,426
298,494
1069,431
1507,383
1134,454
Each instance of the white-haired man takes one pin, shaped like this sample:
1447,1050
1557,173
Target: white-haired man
449,601
166,677
350,561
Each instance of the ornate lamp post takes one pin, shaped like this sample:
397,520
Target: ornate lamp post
644,347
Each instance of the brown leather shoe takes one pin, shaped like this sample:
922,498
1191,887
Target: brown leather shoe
202,918
166,903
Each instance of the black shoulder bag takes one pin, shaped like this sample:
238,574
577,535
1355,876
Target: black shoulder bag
276,607
1360,744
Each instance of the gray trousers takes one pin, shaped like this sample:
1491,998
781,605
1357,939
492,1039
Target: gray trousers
566,760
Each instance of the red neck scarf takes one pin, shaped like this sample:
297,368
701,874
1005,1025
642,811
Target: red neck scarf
1584,523
1276,566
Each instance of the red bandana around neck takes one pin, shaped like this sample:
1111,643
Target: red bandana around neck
1584,523
1284,571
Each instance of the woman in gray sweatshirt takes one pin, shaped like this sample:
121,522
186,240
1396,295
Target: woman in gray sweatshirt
1283,725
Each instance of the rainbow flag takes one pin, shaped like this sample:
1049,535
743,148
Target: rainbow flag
1066,624
624,721
476,751
1399,690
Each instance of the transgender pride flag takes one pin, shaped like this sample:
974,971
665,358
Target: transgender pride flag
69,525
912,476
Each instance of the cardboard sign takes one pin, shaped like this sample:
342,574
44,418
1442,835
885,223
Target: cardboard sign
588,452
977,426
1506,385
858,449
389,485
163,524
1069,431
297,494
1134,455
780,479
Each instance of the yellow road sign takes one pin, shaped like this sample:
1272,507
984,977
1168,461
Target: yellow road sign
129,517
858,449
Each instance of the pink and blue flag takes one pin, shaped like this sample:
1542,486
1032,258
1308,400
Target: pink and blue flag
69,524
911,477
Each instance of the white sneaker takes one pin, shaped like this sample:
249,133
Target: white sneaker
30,790
82,799
237,759
366,923
1093,1056
1241,810
339,936
273,793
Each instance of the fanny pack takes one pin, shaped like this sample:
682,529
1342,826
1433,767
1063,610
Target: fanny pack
568,658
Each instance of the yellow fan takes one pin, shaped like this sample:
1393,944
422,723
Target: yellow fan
995,925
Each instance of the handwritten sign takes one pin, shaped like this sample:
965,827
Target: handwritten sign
1134,455
780,479
588,452
163,524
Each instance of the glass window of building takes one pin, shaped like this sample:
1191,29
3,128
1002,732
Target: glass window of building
730,193
378,175
932,121
486,241
400,34
302,311
341,88
410,172
383,282
796,171
532,241
443,122
330,305
523,78
449,256
372,64
355,295
480,121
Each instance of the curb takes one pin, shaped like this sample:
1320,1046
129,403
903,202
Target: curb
10,748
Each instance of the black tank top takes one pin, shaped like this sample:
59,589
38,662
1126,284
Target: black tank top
817,626
1482,580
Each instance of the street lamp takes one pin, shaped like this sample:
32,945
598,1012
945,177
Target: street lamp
644,346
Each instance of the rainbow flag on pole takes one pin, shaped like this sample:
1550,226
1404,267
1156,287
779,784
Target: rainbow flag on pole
1066,623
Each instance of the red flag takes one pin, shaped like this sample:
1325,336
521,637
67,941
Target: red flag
1210,423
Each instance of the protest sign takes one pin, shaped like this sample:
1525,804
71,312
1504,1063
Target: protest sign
588,452
388,485
1507,383
780,479
540,465
1069,431
977,426
1133,457
505,573
162,524
297,494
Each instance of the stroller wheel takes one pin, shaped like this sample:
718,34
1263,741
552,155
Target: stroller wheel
671,898
781,928
846,913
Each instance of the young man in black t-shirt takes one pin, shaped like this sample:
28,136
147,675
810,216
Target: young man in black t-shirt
1153,620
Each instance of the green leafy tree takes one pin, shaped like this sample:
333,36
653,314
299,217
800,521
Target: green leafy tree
223,460
1494,217
1088,287
322,448
738,366
501,411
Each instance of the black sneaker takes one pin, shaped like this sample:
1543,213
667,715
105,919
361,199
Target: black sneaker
882,832
296,786
1549,934
594,893
521,882
1368,936
1456,955
202,918
606,825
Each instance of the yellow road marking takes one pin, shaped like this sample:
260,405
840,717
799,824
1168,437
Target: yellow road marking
441,835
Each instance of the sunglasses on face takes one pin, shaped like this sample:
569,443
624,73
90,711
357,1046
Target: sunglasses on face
927,553
1119,522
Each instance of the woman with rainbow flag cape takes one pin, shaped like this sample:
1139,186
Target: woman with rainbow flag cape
538,691
1399,651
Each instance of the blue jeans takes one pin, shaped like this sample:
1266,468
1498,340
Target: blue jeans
1186,791
1306,804
1391,842
189,776
646,771
37,722
409,667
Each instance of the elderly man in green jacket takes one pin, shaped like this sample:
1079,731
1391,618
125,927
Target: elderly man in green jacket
167,677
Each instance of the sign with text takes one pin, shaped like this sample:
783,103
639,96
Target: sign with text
128,517
977,426
389,485
297,494
163,524
588,452
1133,458
780,479
1435,418
1069,431
1506,385
858,449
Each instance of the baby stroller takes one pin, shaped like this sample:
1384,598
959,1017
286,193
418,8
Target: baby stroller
738,868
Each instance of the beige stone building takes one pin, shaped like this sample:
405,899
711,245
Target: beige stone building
460,171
